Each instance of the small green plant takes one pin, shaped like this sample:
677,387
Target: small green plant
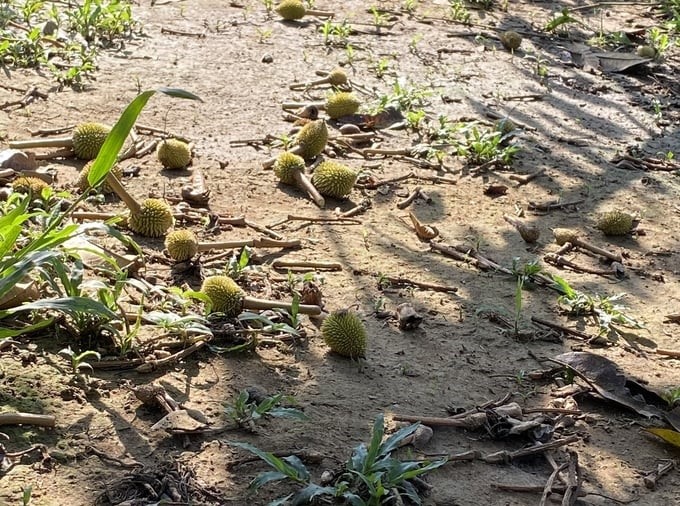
245,412
561,20
372,476
458,12
26,494
523,275
238,263
486,145
379,18
659,40
78,360
410,6
268,6
672,397
604,309
381,67
264,34
335,33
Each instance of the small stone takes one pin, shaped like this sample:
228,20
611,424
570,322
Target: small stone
267,58
17,160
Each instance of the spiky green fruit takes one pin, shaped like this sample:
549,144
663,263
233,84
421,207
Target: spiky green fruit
505,126
83,184
565,235
312,139
615,223
286,165
511,40
181,244
226,296
29,184
334,179
173,153
153,220
345,334
88,138
291,9
646,52
337,77
342,104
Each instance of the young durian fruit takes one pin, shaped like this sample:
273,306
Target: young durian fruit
511,40
151,218
334,179
345,334
83,184
183,245
228,298
309,142
336,77
342,104
86,141
290,169
292,10
173,153
29,185
615,223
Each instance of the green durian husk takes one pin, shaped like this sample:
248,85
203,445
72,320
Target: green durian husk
342,104
311,139
173,153
337,77
291,9
511,40
345,334
29,184
226,296
153,220
333,179
615,223
181,244
83,184
88,138
286,165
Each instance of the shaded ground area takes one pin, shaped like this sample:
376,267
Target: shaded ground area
571,123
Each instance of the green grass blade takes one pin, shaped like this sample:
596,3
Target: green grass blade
5,333
116,138
68,305
20,270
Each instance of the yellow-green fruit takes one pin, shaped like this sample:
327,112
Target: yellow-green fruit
312,139
88,139
181,244
615,223
505,126
511,40
27,184
153,220
337,77
224,293
646,52
345,334
342,104
173,153
291,9
83,184
565,235
286,165
334,179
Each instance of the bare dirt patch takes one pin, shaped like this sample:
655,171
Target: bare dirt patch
571,123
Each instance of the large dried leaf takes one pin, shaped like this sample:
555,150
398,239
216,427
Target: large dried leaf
670,436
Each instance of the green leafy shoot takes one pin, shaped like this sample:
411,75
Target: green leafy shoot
245,412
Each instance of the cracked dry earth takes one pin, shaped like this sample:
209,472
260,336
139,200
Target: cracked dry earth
573,123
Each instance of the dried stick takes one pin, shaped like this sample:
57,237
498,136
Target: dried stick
315,219
551,206
360,208
564,235
15,418
372,185
399,281
547,490
255,226
560,261
522,180
661,470
295,264
152,365
668,353
566,330
403,204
